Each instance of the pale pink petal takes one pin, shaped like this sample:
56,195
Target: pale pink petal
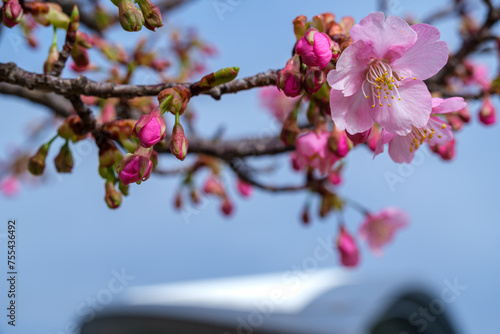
399,149
352,113
390,38
350,69
385,137
413,109
443,106
427,56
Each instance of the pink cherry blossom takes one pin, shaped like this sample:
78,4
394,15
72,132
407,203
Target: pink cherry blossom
378,229
349,252
277,102
312,150
378,78
10,186
480,75
213,186
435,132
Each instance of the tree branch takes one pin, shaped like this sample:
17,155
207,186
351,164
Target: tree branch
12,74
59,105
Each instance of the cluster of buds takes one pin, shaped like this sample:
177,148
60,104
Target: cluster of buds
319,44
48,14
214,186
175,101
12,13
63,161
132,18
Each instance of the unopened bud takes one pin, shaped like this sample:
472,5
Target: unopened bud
109,154
48,66
129,16
64,160
299,26
338,143
72,129
36,164
174,100
290,130
113,197
487,114
290,78
151,14
12,13
306,219
212,80
359,138
227,206
315,48
178,143
134,168
313,80
150,128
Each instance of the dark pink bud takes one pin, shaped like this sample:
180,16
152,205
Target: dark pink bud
178,143
373,138
134,168
227,206
447,151
150,129
151,14
315,48
487,114
313,80
359,138
464,115
12,13
349,253
338,143
290,78
334,178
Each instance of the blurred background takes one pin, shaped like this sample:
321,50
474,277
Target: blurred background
71,245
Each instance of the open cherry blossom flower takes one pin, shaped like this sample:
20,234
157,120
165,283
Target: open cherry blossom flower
379,77
378,229
435,132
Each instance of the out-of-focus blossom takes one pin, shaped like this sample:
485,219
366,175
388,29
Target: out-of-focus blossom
378,229
10,186
348,250
277,102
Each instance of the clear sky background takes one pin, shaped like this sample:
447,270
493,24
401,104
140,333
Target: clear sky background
70,242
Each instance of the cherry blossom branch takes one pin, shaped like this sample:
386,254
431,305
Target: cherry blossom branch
59,105
12,74
241,170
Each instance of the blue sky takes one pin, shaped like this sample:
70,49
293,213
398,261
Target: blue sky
70,243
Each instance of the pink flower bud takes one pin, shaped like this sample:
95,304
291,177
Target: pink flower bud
349,253
290,78
213,186
338,143
373,138
464,115
299,26
359,138
306,218
334,178
227,207
487,114
174,99
113,197
447,151
134,168
150,129
313,80
178,143
12,13
80,56
178,200
245,189
315,48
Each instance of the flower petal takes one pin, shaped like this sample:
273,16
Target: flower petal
427,56
413,109
441,135
390,38
443,106
350,69
351,113
399,149
385,137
